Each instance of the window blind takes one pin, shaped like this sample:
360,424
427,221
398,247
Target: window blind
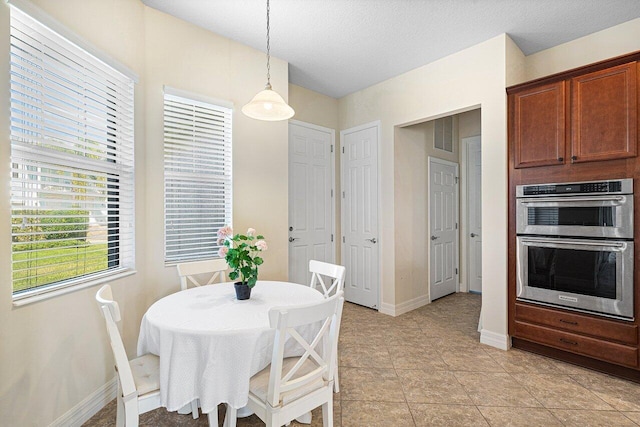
197,175
71,161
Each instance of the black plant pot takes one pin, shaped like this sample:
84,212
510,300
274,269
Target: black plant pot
243,291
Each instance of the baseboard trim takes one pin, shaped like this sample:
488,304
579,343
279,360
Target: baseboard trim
412,304
388,309
495,340
404,307
88,407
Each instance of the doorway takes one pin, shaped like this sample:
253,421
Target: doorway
443,227
472,196
311,198
359,183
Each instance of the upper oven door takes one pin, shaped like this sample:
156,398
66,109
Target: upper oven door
608,216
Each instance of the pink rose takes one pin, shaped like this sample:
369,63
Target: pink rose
251,232
222,252
225,232
261,245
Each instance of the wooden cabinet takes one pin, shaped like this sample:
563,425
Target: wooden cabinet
618,354
539,130
602,328
608,340
604,112
577,125
585,118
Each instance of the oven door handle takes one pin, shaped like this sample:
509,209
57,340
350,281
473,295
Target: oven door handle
591,243
573,199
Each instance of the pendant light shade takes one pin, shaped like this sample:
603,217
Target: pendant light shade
268,105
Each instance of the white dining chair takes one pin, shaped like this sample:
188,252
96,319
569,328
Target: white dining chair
331,273
187,271
291,387
138,379
334,274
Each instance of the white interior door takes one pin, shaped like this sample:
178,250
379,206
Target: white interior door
311,204
474,213
443,224
359,182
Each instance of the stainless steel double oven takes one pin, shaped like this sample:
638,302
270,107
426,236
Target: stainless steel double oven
575,246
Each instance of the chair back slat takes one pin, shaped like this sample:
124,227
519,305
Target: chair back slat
334,272
111,311
285,320
188,270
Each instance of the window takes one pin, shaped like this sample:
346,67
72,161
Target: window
197,175
71,162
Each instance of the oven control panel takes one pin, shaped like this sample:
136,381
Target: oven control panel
622,186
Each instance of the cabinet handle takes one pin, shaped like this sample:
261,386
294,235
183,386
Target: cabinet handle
574,158
568,342
569,322
561,159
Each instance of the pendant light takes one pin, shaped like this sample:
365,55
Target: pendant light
268,105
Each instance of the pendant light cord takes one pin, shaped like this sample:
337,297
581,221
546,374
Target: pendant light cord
268,49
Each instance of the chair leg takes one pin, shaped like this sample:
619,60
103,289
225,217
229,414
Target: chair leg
327,413
231,417
194,409
131,413
119,410
336,383
213,417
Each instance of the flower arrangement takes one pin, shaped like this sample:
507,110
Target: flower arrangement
242,254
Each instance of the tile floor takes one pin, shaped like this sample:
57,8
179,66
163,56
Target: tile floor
427,368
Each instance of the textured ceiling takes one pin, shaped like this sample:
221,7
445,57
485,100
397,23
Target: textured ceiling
337,47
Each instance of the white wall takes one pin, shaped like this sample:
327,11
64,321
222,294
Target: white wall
55,353
472,78
195,60
313,107
605,44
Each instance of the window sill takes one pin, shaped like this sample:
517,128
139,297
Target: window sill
37,295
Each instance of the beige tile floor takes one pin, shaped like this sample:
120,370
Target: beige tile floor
427,368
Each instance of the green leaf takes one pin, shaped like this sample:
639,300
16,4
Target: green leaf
233,275
252,281
241,237
260,237
258,261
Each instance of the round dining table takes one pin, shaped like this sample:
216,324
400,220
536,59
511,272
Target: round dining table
210,343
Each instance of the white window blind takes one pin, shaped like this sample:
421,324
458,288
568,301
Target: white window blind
72,162
197,176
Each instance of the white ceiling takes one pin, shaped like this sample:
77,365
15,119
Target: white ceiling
337,47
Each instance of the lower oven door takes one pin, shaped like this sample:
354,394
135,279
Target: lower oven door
594,276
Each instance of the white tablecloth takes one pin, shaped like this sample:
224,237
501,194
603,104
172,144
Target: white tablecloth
210,344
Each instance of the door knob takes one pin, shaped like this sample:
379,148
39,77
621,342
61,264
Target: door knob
473,234
434,237
291,239
372,240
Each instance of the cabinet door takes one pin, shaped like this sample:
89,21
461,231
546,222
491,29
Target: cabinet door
539,126
604,114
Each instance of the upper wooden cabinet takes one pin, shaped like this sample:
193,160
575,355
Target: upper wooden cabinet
539,125
578,116
604,113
